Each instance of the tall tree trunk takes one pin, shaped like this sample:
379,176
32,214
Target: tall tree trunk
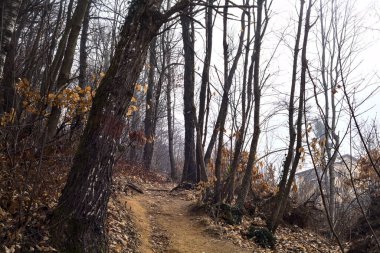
333,137
150,107
202,93
53,70
8,15
166,44
292,132
245,107
228,78
82,78
173,169
78,220
189,173
67,62
31,60
291,163
247,179
326,161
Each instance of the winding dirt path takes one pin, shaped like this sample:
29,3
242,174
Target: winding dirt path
166,225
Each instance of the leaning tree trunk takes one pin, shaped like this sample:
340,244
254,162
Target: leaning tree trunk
78,220
8,15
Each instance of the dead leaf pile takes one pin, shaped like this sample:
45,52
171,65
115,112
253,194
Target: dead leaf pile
121,233
289,238
25,207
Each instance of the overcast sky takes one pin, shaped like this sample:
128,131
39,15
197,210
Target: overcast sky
365,16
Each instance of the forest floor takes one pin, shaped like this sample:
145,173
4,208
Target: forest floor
167,224
161,220
158,220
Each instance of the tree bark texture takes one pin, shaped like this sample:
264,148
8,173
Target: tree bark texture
9,10
202,94
189,173
7,83
78,220
149,121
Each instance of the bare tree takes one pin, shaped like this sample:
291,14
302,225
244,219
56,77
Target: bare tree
246,184
74,27
295,132
228,80
246,99
78,220
166,47
83,55
203,91
190,167
8,14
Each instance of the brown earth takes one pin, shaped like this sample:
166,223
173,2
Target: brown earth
163,221
166,224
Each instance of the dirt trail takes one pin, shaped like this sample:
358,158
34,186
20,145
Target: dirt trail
166,225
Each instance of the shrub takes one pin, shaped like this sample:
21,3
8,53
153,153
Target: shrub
262,236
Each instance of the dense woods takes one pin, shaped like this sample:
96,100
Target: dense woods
262,109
